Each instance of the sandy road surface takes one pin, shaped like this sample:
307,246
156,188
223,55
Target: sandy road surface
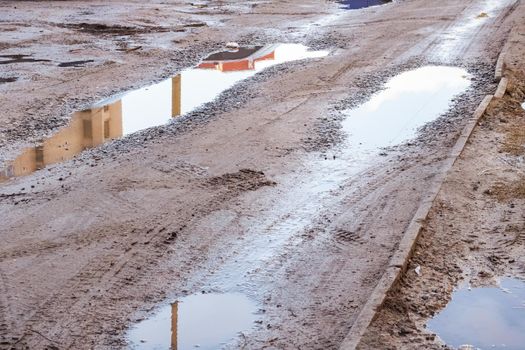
225,199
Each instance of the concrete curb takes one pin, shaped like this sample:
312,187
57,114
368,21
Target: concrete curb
500,63
399,262
502,88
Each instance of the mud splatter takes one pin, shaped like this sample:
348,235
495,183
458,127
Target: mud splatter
243,180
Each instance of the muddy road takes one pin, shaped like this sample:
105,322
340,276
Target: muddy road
265,192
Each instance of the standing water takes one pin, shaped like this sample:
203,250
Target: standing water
203,321
392,116
486,318
409,101
154,105
358,4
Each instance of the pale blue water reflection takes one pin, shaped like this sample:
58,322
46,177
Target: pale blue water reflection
487,318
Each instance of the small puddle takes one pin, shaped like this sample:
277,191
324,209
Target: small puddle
485,318
359,4
153,105
203,321
8,80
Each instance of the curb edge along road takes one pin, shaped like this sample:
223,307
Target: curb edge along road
399,262
500,63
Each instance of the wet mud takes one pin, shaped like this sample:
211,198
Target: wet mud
8,80
105,29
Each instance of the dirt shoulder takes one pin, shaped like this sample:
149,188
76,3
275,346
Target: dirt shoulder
476,227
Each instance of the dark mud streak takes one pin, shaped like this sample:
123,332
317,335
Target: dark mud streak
75,63
20,59
104,29
8,80
242,180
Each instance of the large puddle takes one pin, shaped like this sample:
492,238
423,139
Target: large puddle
154,105
358,4
409,101
485,318
203,321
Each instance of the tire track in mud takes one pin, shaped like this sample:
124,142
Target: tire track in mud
109,273
97,275
5,325
323,287
439,44
90,216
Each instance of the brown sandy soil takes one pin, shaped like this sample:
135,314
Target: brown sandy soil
220,200
476,229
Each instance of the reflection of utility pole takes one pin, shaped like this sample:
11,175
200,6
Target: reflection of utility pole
174,316
175,95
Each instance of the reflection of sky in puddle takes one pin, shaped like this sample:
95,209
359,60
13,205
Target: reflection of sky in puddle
409,101
203,320
201,85
154,105
358,4
487,318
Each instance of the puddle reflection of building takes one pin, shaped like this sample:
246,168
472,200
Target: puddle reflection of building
86,129
238,60
174,324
